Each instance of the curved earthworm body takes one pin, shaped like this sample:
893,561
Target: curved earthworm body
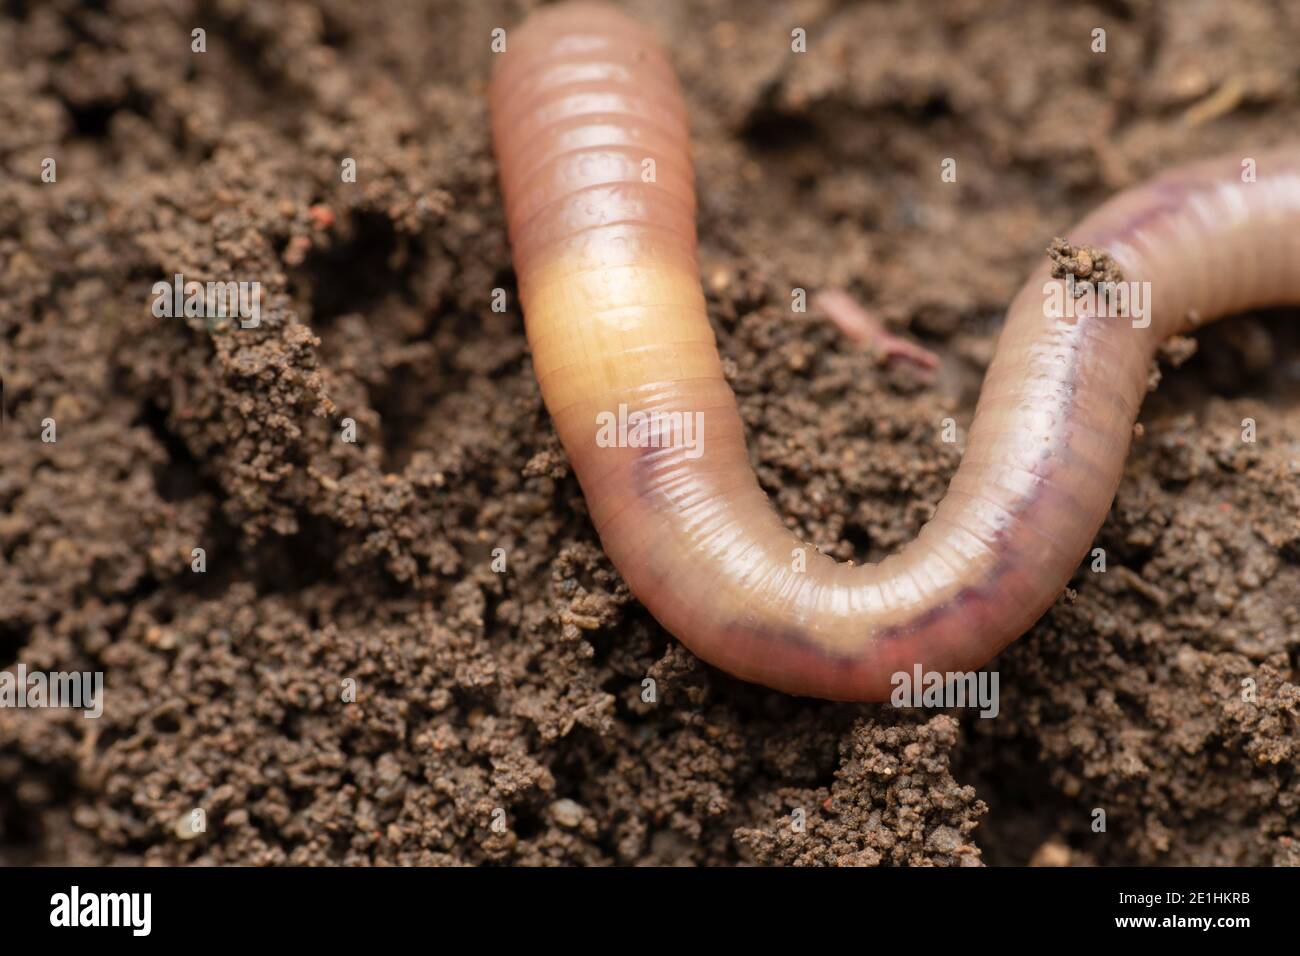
606,259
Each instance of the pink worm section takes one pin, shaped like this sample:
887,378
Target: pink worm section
582,94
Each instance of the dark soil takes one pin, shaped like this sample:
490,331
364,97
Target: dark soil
516,698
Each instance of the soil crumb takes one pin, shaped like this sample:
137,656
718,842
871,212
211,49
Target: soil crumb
1089,265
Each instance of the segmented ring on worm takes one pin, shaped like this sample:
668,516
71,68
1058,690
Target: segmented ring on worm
583,104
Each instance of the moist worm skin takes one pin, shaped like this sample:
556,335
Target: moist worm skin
615,315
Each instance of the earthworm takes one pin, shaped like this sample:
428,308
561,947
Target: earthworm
867,330
591,135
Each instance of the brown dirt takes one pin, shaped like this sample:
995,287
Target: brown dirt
521,691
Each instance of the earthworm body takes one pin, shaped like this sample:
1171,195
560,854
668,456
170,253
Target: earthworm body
584,104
